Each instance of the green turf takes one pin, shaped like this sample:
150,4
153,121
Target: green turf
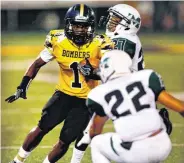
170,67
19,117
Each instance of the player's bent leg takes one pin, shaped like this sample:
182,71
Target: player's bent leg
102,149
77,155
21,156
52,115
157,149
162,146
78,151
75,122
96,153
73,126
32,140
57,152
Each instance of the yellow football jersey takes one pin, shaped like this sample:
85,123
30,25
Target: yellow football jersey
68,55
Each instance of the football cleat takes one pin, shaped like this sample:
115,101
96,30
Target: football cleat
165,116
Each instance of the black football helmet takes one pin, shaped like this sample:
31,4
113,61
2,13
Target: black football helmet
80,17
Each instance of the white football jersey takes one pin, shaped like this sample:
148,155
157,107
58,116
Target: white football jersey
130,102
132,45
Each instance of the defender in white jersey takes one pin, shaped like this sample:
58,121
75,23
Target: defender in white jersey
129,100
122,25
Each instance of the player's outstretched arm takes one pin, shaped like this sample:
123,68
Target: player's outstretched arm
171,102
28,77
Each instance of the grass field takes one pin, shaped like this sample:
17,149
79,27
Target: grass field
21,116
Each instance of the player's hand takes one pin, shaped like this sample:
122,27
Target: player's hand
86,139
20,93
86,69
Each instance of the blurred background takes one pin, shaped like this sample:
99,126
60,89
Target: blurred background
157,16
24,26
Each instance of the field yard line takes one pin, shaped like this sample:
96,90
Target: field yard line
23,65
177,145
71,146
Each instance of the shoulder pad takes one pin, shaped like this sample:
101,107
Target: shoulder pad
54,36
99,38
56,32
105,42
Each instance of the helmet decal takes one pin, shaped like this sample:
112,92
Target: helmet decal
81,9
136,21
105,62
114,64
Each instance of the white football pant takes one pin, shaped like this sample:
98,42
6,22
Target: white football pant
107,147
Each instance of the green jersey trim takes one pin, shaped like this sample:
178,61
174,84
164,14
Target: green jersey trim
156,84
95,107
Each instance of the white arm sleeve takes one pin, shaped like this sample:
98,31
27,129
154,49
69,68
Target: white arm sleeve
45,55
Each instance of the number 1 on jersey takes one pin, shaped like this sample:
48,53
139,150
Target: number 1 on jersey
75,83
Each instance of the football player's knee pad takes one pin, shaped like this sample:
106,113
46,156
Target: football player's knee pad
62,144
44,129
67,140
67,137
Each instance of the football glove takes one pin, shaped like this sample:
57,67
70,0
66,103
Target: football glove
86,69
165,116
19,93
86,139
21,90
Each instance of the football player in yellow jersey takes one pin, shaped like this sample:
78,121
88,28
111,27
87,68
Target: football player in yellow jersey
68,47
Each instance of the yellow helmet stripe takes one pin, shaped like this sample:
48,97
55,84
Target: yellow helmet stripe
81,9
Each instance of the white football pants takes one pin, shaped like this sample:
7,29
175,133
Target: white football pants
106,148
